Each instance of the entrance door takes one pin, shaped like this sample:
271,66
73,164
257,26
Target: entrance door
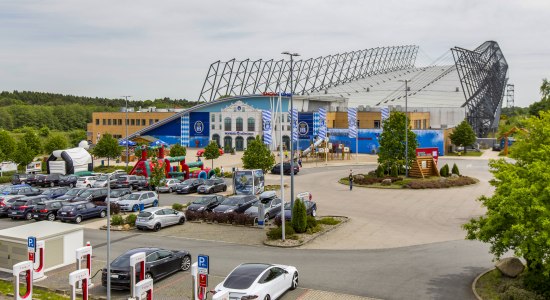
228,143
239,143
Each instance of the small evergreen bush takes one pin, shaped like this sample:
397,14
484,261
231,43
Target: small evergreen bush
394,171
177,206
117,220
379,171
311,222
277,232
299,216
131,219
455,170
444,171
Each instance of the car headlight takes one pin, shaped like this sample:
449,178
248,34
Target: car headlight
200,209
229,210
249,297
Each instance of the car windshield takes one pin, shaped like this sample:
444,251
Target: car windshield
123,178
86,193
202,200
122,261
144,214
243,276
117,193
47,192
103,177
232,201
74,192
133,197
210,182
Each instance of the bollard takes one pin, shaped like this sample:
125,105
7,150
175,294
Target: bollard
27,267
144,287
79,277
84,252
137,258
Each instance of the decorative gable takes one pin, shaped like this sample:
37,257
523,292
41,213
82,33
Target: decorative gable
239,106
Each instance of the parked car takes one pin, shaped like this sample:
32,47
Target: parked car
49,180
286,168
189,186
86,181
22,178
133,201
311,209
14,189
118,194
24,190
126,181
92,195
159,263
238,204
212,185
206,203
54,193
71,194
78,211
168,185
142,183
68,180
200,152
101,181
46,210
155,218
22,207
5,204
270,201
496,147
259,281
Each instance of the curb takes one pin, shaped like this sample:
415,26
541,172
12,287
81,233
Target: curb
474,283
320,234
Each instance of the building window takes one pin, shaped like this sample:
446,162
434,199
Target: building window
213,118
119,121
227,142
251,124
213,126
104,122
143,123
132,122
288,118
108,121
97,121
376,123
114,122
220,126
227,124
288,127
239,124
150,121
424,124
220,118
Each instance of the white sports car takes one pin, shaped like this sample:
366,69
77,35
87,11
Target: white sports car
259,281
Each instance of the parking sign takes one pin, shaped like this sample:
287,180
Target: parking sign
31,244
203,264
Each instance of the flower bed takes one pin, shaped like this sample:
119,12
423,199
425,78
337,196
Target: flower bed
221,218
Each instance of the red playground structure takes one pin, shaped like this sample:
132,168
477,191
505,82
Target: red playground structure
174,167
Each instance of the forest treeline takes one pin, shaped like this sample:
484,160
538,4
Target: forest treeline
65,112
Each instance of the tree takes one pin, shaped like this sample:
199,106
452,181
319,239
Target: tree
299,216
7,146
177,150
463,134
157,173
212,152
258,156
44,131
55,142
544,103
519,209
392,143
107,147
24,154
76,136
32,142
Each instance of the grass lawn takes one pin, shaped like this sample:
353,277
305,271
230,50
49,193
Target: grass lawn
464,154
7,288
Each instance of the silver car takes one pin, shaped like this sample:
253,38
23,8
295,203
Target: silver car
270,201
133,201
168,185
155,218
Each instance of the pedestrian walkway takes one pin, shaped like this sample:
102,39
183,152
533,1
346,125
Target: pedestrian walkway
322,295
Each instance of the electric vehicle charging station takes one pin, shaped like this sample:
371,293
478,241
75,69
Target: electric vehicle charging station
144,287
27,267
81,253
137,258
79,277
37,257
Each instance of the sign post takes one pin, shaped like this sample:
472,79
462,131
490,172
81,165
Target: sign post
203,268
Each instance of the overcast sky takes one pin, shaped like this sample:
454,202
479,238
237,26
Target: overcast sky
154,49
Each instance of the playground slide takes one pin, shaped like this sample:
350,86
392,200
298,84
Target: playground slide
310,148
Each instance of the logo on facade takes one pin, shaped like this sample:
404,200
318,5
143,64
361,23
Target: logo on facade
267,125
239,108
303,128
199,127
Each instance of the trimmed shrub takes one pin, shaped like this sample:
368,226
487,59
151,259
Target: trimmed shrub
192,215
220,217
311,222
115,208
299,216
379,171
131,219
231,217
328,221
117,220
394,171
444,171
277,232
455,170
177,206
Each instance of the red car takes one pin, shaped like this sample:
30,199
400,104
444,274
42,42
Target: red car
201,152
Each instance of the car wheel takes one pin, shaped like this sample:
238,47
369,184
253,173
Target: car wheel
181,221
148,275
267,216
51,217
52,184
155,203
102,214
294,283
78,220
225,188
267,297
28,216
88,186
135,208
157,227
314,212
185,263
71,185
169,190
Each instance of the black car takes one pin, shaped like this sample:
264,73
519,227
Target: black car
55,193
71,194
238,204
68,180
212,185
143,183
5,204
189,186
46,210
78,211
286,168
206,203
26,191
496,147
311,209
159,263
49,180
92,195
22,207
126,181
23,178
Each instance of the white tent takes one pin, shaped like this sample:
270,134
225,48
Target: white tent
70,161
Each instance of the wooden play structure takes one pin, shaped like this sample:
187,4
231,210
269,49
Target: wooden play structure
506,135
424,166
321,150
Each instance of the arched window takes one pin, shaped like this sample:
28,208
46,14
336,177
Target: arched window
216,138
251,124
227,143
239,124
239,143
227,124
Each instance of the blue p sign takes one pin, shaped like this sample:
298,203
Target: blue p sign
31,243
202,262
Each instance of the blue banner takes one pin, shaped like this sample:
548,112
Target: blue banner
322,123
294,113
199,124
352,122
266,119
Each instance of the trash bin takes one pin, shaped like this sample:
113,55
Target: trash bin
141,206
102,163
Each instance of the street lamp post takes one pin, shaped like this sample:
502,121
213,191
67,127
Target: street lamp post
126,97
406,130
292,55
